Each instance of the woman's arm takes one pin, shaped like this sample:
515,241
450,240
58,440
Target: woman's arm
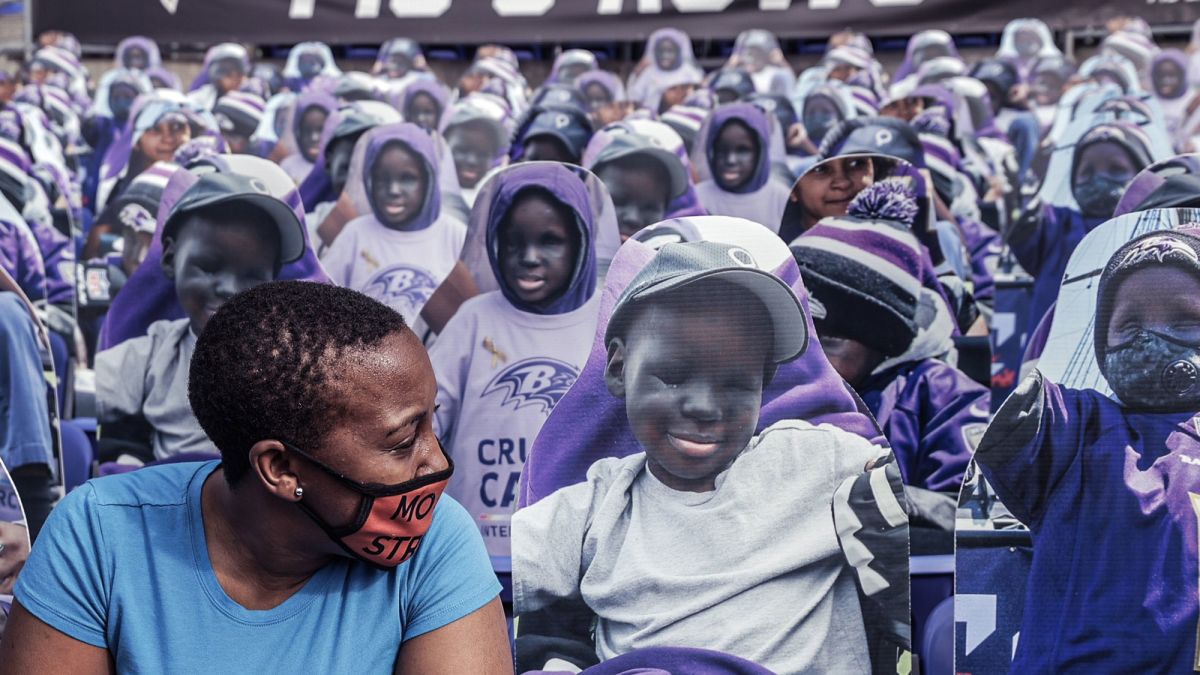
476,643
31,646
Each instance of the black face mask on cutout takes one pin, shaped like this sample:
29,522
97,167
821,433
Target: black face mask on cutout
1155,372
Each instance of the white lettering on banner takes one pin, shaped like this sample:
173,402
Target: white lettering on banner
522,7
429,9
301,9
834,4
696,6
419,9
615,6
403,9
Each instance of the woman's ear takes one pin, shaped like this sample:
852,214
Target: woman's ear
273,468
614,369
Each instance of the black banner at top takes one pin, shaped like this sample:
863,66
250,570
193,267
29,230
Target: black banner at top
524,21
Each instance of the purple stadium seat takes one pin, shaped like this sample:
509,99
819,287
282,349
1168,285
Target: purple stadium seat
77,455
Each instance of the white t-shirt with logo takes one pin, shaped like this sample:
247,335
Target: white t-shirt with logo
400,269
500,371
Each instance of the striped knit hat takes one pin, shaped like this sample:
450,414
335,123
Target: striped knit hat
137,207
239,112
686,121
865,269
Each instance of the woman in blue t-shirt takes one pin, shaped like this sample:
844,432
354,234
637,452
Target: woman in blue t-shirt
298,551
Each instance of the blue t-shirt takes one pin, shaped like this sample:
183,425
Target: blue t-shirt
122,564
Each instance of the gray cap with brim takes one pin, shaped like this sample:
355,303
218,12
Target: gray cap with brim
679,265
220,188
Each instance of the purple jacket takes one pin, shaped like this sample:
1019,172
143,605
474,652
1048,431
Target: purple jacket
58,259
19,257
933,415
1044,253
1107,493
984,246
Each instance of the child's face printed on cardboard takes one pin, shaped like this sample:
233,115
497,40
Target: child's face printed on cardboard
538,246
673,96
310,64
827,188
853,360
735,156
692,381
597,96
666,54
38,72
1102,171
237,143
1027,42
311,124
474,149
1168,79
1141,305
1047,88
640,189
136,58
547,149
423,111
398,64
398,185
227,74
820,115
211,262
337,162
159,142
120,100
568,73
842,72
754,58
1153,342
904,108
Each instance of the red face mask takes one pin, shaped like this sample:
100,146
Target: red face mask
391,519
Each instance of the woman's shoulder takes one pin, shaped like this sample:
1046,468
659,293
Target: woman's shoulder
159,485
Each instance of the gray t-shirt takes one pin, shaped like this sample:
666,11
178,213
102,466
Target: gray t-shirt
752,568
148,376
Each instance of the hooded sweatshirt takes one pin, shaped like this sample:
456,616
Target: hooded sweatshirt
1044,244
296,165
502,365
400,268
648,83
153,57
762,199
297,81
